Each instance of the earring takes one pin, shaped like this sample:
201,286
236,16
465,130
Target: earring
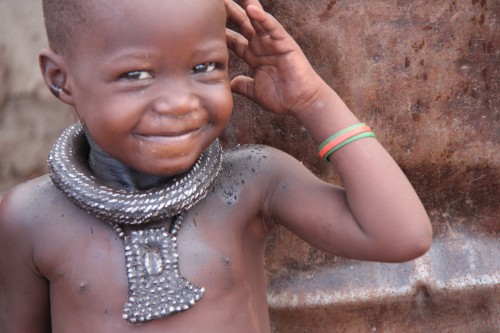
56,90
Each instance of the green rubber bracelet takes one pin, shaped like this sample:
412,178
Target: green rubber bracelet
346,142
336,135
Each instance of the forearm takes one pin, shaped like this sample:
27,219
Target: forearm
380,197
379,216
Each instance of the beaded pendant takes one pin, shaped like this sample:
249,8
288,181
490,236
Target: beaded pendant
156,288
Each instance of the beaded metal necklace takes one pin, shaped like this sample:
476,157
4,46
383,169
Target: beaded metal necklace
155,287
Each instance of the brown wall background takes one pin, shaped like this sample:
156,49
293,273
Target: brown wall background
425,75
30,118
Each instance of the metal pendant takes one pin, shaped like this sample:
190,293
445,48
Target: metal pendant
156,289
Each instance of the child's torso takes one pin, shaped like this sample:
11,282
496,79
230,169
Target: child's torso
220,246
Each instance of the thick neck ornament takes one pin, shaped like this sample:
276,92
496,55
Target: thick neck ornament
71,175
156,288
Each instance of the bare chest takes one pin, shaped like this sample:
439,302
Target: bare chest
87,269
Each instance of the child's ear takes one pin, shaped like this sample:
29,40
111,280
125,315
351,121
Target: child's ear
53,67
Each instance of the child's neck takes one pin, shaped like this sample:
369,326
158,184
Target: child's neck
116,174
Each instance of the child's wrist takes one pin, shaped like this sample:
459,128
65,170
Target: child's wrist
319,100
325,114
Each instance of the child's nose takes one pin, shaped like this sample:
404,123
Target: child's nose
175,101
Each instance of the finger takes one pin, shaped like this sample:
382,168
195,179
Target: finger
238,15
246,3
244,86
265,24
237,43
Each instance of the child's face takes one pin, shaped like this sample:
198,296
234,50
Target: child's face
150,81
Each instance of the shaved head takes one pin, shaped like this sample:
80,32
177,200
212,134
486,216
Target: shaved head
63,18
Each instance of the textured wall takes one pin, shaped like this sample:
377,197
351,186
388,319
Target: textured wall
30,118
425,75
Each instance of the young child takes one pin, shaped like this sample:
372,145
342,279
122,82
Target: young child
133,230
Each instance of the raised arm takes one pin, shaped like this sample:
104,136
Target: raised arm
24,293
378,215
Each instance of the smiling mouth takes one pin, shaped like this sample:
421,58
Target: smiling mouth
166,138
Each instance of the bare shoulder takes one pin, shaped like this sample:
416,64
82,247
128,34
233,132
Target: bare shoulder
26,201
260,170
260,160
251,168
29,208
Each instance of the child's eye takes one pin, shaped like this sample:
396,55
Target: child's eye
136,75
205,67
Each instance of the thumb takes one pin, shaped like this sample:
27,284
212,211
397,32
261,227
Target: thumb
244,86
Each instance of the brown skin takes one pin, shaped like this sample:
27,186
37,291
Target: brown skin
62,270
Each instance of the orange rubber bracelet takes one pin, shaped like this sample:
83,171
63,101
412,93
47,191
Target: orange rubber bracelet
338,140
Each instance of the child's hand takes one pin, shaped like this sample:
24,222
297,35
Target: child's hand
283,80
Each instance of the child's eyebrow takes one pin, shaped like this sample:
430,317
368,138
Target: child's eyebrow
215,48
131,55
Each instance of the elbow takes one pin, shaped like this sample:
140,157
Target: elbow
420,247
410,239
417,243
426,239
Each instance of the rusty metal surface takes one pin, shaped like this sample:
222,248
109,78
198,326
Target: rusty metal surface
426,76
